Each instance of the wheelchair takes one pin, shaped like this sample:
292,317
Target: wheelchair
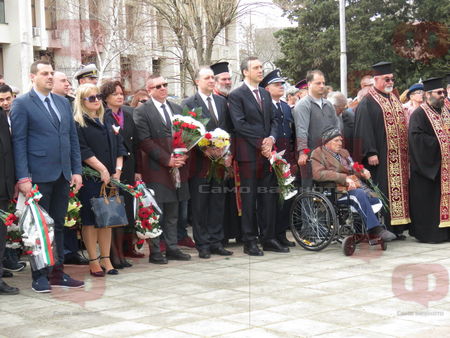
322,214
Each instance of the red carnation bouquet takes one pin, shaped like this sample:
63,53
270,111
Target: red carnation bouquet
13,233
146,217
187,130
147,221
73,210
284,176
359,168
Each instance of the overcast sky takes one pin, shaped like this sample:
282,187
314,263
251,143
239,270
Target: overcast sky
266,16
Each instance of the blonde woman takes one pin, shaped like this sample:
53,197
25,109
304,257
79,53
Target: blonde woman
102,149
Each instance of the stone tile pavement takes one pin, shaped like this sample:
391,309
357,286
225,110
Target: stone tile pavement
399,292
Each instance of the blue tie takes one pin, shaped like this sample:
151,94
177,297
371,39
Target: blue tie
52,112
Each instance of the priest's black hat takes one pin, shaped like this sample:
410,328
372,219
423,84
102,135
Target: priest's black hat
220,67
273,77
433,83
302,84
382,68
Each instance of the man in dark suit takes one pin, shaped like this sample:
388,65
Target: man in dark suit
207,196
7,181
47,153
61,86
256,127
154,132
274,84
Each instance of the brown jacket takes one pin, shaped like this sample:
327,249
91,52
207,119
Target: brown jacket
326,168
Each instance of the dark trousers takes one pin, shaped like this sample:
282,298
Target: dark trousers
259,193
207,206
3,206
364,207
182,220
283,217
168,223
71,245
55,198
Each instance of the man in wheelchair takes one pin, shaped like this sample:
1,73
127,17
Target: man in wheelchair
331,163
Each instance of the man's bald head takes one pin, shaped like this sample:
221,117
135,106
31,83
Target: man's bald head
61,85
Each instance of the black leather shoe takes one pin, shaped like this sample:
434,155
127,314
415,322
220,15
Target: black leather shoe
7,274
157,258
75,259
221,251
177,255
5,289
285,242
251,249
275,246
117,266
126,264
205,254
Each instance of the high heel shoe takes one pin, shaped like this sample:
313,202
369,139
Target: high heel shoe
100,273
111,271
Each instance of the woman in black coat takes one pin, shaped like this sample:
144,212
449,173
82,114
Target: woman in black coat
113,96
102,149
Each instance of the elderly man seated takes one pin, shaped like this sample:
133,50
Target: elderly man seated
332,163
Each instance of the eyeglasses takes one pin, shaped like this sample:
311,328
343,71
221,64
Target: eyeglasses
94,98
389,79
160,86
143,101
440,92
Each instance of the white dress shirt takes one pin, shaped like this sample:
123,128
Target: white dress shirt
205,99
160,110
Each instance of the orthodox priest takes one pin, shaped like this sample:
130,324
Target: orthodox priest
381,144
429,149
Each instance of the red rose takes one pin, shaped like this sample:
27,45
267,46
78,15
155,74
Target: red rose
208,136
286,174
185,125
140,242
306,151
192,114
145,224
71,194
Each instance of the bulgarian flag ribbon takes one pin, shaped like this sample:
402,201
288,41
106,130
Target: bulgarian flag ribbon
41,224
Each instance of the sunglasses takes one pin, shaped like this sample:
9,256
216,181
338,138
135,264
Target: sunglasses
439,92
160,86
94,98
143,101
389,79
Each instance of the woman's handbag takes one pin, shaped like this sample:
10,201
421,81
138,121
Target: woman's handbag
109,210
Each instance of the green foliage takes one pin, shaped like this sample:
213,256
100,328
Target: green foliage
414,35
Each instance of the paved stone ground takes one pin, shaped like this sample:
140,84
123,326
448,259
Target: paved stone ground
371,294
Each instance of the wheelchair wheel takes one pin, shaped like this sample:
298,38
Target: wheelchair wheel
348,245
313,221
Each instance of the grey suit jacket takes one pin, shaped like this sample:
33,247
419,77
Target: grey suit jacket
155,141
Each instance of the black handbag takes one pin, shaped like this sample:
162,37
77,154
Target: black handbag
109,210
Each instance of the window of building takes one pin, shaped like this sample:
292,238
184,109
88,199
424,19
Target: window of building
33,13
50,14
2,11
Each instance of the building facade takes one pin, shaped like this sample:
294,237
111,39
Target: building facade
124,38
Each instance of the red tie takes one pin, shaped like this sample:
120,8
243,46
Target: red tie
258,98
